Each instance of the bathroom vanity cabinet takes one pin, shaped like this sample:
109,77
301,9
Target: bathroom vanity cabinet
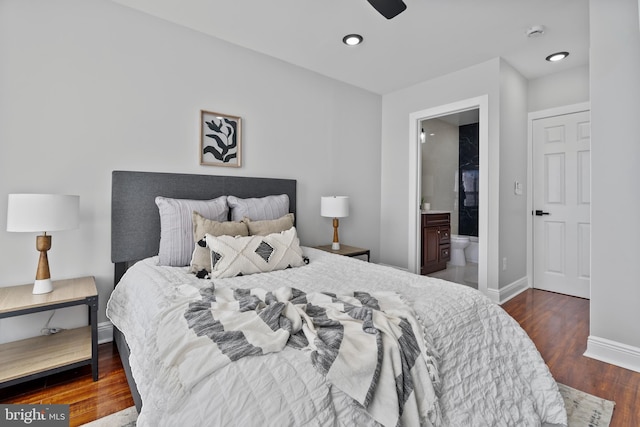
436,243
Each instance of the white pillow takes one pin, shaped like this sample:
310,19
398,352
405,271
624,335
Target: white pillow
258,209
234,256
176,226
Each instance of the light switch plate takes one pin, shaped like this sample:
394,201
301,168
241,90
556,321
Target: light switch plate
517,188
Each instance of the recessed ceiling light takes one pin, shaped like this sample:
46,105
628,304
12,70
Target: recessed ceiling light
558,56
352,39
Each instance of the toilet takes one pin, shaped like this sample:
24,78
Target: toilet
458,244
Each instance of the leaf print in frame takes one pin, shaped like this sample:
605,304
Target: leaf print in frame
220,139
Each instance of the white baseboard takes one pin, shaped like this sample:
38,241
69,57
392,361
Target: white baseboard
394,266
504,294
105,332
613,352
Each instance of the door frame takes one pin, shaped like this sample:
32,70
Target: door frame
415,173
536,115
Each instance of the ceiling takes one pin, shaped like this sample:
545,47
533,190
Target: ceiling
429,39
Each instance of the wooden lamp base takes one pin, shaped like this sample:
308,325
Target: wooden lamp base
42,284
336,243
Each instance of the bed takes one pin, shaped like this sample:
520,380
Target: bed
457,359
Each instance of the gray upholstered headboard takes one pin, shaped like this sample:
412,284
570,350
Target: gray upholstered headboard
135,221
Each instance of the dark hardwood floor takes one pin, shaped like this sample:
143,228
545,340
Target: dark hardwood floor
87,400
558,325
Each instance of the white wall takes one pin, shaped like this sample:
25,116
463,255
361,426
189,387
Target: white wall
615,148
513,167
440,158
89,87
472,82
559,89
507,162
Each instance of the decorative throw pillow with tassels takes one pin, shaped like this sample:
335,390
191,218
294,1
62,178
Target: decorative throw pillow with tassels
236,256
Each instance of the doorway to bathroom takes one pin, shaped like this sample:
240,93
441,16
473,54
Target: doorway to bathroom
481,184
450,174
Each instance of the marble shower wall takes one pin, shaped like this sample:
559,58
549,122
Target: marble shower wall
469,167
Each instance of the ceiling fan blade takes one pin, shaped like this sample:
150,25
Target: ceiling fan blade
388,8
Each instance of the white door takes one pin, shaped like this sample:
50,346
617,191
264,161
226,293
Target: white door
561,203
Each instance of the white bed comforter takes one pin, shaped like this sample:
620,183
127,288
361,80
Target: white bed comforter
490,371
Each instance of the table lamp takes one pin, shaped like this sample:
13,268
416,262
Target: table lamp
335,207
42,213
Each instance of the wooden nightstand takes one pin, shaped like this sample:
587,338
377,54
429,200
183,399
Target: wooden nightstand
39,356
346,250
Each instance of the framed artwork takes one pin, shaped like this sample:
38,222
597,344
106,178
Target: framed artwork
220,139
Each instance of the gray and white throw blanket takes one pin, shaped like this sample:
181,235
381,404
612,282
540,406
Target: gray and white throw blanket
369,345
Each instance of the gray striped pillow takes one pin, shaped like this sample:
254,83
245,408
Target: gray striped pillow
176,226
258,209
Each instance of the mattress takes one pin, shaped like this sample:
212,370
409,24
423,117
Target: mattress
489,371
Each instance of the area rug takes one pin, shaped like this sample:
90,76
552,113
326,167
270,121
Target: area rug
125,418
583,410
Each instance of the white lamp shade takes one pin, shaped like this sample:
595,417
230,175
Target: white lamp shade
42,212
334,206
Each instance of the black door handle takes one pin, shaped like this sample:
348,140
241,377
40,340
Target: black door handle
540,213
